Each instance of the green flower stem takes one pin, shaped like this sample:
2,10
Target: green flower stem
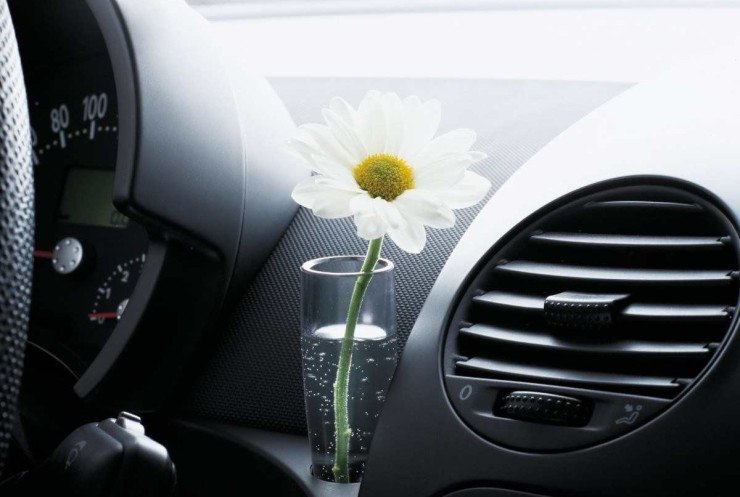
341,385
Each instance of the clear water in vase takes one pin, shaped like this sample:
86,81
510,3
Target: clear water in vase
374,360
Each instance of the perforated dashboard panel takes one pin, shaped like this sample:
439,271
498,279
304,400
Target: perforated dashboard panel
254,375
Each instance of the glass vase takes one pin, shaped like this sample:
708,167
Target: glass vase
327,287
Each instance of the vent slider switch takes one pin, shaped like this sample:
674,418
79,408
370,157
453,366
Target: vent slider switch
545,408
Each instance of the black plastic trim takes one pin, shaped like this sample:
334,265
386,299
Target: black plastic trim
633,312
623,382
579,358
630,276
594,240
623,348
645,204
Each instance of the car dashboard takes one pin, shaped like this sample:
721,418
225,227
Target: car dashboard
88,255
600,275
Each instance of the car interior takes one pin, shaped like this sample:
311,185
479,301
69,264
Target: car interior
573,334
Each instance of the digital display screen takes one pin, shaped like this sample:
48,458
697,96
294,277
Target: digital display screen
88,199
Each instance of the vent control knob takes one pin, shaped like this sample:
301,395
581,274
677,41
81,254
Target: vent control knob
582,311
545,408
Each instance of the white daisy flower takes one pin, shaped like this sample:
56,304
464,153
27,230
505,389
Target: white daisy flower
382,164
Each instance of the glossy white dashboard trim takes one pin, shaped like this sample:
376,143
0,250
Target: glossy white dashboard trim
620,45
230,9
684,125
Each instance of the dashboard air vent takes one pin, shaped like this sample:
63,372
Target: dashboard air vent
622,298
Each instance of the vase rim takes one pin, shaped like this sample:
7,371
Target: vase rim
383,265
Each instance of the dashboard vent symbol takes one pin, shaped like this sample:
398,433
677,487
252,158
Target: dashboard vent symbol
630,291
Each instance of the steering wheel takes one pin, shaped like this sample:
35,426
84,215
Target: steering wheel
16,226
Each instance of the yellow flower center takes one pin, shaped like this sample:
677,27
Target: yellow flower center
384,175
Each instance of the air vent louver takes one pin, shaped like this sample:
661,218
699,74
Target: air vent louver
629,292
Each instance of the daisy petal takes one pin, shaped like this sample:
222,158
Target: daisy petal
370,225
344,110
305,146
345,136
328,143
323,199
410,237
421,121
338,184
457,141
425,207
389,212
319,163
468,191
394,124
445,171
331,169
300,150
333,206
372,122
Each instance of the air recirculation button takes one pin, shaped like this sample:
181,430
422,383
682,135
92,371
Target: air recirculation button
545,408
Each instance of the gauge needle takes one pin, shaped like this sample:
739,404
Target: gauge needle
43,254
103,315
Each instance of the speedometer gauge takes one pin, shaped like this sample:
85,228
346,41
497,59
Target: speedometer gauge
63,128
113,293
88,255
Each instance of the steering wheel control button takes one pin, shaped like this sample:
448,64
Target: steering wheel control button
544,408
67,255
130,422
106,458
